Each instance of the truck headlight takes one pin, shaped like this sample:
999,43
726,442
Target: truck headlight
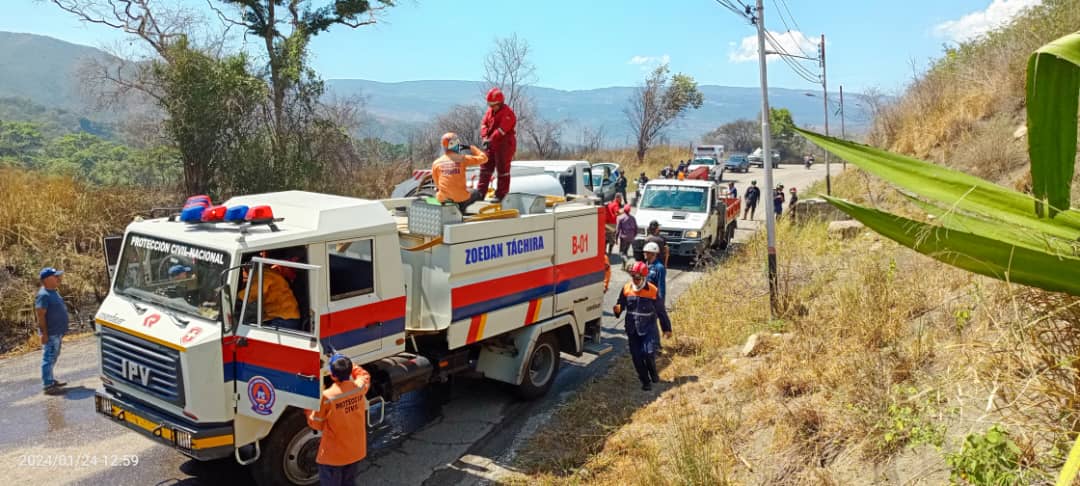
183,439
691,234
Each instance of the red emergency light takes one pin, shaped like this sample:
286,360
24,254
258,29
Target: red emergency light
214,214
200,200
257,214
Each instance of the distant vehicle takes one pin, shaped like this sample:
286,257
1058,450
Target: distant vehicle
737,163
604,175
709,164
716,152
756,158
693,215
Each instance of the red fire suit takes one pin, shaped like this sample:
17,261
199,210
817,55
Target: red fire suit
498,130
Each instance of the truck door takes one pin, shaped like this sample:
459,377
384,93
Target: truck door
276,362
353,324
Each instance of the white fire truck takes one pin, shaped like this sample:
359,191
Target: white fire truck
406,288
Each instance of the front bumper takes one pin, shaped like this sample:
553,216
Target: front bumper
202,443
687,247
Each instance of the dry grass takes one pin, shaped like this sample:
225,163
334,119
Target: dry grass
56,221
655,159
886,360
965,109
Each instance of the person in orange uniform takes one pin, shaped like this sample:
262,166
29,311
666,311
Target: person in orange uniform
279,306
500,141
448,171
342,418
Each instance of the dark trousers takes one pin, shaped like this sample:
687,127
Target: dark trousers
751,208
642,353
498,162
338,475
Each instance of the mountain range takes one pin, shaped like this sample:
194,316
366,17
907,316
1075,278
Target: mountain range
44,70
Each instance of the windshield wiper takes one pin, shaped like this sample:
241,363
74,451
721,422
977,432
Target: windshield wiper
181,323
138,309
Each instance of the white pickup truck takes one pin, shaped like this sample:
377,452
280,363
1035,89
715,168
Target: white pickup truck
694,215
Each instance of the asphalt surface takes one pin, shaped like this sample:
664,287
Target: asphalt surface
425,440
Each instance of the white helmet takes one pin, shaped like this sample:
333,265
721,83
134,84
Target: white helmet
651,247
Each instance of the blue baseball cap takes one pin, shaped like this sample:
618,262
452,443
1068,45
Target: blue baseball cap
178,269
49,272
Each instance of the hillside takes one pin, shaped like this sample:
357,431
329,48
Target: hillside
44,71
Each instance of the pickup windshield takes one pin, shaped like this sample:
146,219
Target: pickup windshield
675,198
175,275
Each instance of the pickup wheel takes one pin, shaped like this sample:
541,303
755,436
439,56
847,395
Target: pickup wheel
288,454
541,368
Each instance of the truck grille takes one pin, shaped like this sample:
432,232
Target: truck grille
145,365
671,235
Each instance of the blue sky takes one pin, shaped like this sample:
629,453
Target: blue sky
587,44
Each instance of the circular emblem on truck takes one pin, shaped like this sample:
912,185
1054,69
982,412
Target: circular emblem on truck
262,395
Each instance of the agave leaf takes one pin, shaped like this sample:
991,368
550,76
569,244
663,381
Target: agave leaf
1072,465
954,219
951,188
972,252
1053,86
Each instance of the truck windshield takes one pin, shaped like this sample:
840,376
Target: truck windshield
675,198
175,275
704,161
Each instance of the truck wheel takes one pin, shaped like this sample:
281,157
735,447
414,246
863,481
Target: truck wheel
541,368
288,454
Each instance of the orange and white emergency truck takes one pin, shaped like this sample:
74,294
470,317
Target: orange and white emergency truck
408,289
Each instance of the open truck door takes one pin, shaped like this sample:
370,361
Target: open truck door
277,374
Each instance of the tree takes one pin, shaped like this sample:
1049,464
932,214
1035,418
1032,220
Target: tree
737,136
285,28
542,138
463,120
20,141
659,102
507,66
782,128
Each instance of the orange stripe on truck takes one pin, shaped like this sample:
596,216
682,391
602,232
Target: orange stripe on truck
476,328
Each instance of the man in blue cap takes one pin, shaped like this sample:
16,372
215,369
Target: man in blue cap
52,320
179,272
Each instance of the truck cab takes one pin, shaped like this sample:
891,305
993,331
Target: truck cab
694,216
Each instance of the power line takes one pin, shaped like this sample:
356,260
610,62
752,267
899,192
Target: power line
736,10
787,57
793,22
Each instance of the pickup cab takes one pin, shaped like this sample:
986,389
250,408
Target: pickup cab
694,216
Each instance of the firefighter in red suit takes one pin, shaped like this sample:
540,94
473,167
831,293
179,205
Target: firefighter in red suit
500,142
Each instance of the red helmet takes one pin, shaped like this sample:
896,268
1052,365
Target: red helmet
639,268
449,139
626,209
495,95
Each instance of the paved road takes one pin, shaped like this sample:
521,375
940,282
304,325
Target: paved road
423,442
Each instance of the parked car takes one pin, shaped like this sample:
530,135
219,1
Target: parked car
737,163
755,158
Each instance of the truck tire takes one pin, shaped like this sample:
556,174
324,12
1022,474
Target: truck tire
288,454
541,368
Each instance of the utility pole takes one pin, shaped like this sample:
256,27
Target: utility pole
766,153
825,98
843,135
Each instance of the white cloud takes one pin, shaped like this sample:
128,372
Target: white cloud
977,23
793,41
646,61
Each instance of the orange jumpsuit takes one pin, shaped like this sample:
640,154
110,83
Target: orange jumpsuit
448,173
278,299
342,418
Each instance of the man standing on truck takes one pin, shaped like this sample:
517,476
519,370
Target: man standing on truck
643,307
342,418
52,321
500,142
448,171
753,194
